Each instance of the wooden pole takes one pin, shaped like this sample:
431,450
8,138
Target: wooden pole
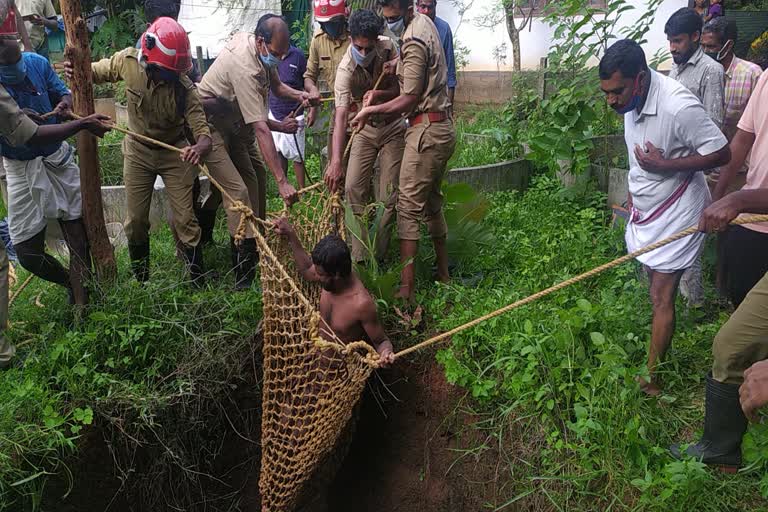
200,61
78,52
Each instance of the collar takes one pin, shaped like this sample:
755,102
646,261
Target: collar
694,60
652,101
732,68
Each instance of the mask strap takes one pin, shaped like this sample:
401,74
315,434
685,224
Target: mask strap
720,54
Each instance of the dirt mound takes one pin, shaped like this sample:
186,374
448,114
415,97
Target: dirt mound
406,456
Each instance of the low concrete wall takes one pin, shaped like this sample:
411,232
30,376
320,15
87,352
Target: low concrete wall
116,208
508,175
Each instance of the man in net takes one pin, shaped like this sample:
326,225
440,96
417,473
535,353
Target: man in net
348,314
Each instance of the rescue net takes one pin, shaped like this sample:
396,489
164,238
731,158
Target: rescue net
311,385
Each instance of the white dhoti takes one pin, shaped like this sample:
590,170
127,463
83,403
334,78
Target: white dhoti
285,143
41,189
658,214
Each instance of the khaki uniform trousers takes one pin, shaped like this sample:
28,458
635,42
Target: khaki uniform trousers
236,164
387,142
142,164
743,339
6,349
428,147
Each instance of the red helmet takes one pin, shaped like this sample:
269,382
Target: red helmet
165,43
8,28
325,10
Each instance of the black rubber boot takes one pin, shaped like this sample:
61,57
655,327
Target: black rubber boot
207,221
244,260
724,426
195,267
139,261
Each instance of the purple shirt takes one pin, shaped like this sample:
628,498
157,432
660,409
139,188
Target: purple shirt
715,10
291,71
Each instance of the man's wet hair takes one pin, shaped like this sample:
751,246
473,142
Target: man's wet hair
626,56
265,29
366,23
403,4
723,28
154,9
332,254
683,21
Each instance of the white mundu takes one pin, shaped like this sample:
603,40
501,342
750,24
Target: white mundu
674,121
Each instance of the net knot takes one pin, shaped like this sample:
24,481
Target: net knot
242,227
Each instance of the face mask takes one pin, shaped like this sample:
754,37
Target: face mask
269,59
723,53
335,29
397,27
634,102
363,60
13,74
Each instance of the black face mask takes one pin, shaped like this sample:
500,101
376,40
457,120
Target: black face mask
335,29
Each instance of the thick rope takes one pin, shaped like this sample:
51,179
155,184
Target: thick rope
536,296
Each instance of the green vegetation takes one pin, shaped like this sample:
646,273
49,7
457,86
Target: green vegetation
154,367
553,382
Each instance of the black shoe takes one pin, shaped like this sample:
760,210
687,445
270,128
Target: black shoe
207,221
724,426
244,260
194,260
139,261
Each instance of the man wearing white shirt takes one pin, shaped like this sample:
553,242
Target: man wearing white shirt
670,140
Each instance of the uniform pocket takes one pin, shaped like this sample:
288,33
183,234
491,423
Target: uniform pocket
135,100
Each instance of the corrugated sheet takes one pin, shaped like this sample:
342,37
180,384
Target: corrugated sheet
750,24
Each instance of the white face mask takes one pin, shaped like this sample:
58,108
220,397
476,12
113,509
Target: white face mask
725,50
397,27
363,60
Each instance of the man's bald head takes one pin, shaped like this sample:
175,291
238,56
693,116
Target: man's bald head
274,31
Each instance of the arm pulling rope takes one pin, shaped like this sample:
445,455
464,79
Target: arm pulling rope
586,275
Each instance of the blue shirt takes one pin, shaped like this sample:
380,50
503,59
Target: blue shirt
446,37
291,71
41,90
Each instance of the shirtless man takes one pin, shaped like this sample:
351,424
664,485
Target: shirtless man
346,307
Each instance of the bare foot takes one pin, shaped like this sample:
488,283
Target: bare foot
648,387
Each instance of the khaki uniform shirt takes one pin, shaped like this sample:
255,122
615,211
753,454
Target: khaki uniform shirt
238,75
16,128
422,69
325,55
353,81
152,107
43,8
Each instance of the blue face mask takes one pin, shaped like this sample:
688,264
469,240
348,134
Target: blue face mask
363,60
397,27
13,74
634,102
269,60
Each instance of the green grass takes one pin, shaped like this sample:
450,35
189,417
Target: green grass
552,383
145,363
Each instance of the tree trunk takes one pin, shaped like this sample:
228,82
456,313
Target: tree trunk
514,36
78,52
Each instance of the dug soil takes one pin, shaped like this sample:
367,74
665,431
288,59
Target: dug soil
408,454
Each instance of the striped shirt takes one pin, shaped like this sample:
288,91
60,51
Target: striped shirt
740,80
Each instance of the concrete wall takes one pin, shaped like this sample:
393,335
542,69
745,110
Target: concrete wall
535,42
509,175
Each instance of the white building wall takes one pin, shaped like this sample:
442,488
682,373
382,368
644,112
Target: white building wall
535,41
211,22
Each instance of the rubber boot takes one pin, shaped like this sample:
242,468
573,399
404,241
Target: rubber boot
244,260
207,221
194,259
139,254
724,426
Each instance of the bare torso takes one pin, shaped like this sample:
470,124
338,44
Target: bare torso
342,313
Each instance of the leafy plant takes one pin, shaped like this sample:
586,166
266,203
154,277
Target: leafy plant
464,212
381,282
118,32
